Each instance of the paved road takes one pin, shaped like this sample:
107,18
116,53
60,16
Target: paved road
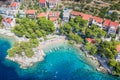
103,63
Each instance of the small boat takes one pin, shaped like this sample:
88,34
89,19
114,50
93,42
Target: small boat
50,50
68,48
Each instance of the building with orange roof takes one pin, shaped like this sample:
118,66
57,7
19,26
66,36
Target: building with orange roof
54,19
98,21
8,23
43,14
113,27
42,3
106,24
115,24
14,5
118,50
86,17
73,14
52,3
90,40
54,16
31,13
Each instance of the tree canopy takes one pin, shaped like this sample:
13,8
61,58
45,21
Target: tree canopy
33,29
1,18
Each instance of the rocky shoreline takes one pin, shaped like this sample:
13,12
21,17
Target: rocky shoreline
25,62
94,60
39,54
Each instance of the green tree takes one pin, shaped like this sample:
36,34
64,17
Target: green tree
112,62
11,53
66,29
75,37
34,42
18,30
77,19
39,33
1,18
91,48
46,25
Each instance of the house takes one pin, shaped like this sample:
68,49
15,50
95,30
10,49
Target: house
42,3
98,21
31,13
118,50
43,14
14,6
8,23
106,24
52,3
113,27
73,14
88,18
54,19
54,16
66,15
90,40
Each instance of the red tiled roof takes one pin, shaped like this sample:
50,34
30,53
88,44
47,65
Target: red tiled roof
118,48
7,20
106,23
42,14
53,14
86,16
53,18
114,24
42,1
97,19
13,4
75,13
30,11
90,40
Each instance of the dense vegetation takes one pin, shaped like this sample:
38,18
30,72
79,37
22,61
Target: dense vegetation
19,48
72,29
33,30
1,21
77,31
104,13
108,49
1,18
115,6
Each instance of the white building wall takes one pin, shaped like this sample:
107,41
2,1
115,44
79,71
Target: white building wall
96,23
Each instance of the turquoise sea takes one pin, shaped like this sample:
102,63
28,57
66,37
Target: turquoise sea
62,62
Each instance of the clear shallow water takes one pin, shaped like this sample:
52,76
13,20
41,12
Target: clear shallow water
60,64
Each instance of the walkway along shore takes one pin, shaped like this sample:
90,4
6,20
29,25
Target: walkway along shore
101,65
